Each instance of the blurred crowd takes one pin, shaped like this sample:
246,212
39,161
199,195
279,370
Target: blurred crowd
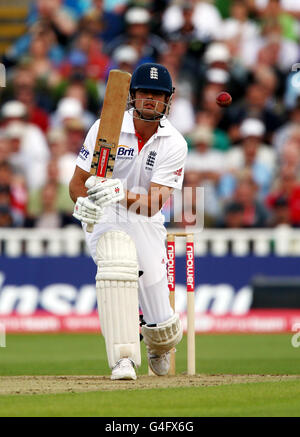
246,156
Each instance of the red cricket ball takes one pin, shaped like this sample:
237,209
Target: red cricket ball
224,99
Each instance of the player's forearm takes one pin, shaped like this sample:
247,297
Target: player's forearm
137,203
77,189
145,204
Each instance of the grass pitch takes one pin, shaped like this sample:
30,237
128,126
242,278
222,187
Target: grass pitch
82,354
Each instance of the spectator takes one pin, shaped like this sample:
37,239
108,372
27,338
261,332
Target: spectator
74,64
104,24
270,81
41,65
138,35
182,105
4,195
63,203
62,154
292,88
70,108
289,157
6,174
20,48
211,120
206,19
117,6
57,141
202,158
280,212
217,55
185,59
6,220
233,216
23,78
246,194
15,191
287,186
221,56
75,131
215,81
189,209
29,144
77,75
125,58
251,154
276,50
209,165
49,217
4,150
284,12
255,105
24,92
239,26
284,133
55,84
86,60
77,90
61,18
185,29
208,99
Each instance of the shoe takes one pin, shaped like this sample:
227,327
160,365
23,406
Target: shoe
124,369
159,364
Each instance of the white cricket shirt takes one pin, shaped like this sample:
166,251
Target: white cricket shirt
161,160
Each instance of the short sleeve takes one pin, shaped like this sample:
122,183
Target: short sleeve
85,155
169,170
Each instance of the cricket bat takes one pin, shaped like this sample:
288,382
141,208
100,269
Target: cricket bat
114,105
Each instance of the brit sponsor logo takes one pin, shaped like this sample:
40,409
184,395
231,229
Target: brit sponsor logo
84,153
125,152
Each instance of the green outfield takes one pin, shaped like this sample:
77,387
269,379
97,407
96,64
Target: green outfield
215,392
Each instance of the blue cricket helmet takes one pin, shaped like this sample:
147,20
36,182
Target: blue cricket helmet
152,76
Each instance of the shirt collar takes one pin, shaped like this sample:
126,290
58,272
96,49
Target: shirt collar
128,126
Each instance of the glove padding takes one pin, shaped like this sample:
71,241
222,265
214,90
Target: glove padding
104,191
86,211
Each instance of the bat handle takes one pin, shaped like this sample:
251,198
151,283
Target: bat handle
90,227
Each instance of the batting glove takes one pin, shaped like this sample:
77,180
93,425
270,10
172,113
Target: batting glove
104,192
86,211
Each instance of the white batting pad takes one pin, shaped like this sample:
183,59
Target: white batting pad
164,336
117,296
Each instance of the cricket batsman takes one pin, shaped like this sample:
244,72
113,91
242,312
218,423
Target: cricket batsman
128,239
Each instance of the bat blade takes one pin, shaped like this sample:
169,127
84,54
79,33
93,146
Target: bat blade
112,113
111,119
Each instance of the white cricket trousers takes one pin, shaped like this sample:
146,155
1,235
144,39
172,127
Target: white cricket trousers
149,239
